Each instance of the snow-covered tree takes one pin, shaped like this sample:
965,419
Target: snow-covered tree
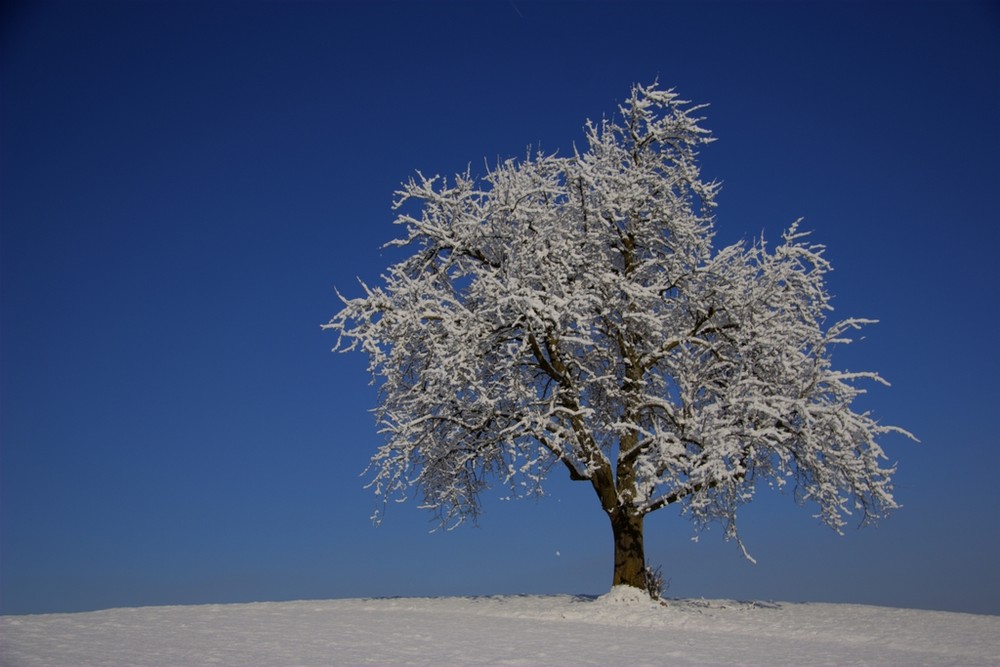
572,311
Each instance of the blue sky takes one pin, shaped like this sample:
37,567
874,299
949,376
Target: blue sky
183,184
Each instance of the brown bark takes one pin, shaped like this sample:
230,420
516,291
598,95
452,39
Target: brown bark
630,557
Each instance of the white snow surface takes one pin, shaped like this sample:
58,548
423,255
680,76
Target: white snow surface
620,628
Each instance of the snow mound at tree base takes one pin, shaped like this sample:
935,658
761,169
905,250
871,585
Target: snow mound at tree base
627,595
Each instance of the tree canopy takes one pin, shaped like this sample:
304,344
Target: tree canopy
571,311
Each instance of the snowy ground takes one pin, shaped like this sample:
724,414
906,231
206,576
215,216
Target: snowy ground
615,629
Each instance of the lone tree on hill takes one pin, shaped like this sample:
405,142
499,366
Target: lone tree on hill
572,310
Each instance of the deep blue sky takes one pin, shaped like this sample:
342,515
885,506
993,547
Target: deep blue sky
183,184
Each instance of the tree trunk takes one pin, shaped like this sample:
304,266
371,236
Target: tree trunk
630,558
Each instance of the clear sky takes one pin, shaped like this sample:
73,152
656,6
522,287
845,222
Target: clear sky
183,184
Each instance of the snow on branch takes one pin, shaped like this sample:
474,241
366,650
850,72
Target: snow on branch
572,310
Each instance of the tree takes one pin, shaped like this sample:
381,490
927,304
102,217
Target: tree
571,311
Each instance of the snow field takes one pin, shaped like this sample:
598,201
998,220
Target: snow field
615,629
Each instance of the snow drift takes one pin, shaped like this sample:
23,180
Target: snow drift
619,628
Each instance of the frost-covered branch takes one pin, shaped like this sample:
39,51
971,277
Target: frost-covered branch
572,310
